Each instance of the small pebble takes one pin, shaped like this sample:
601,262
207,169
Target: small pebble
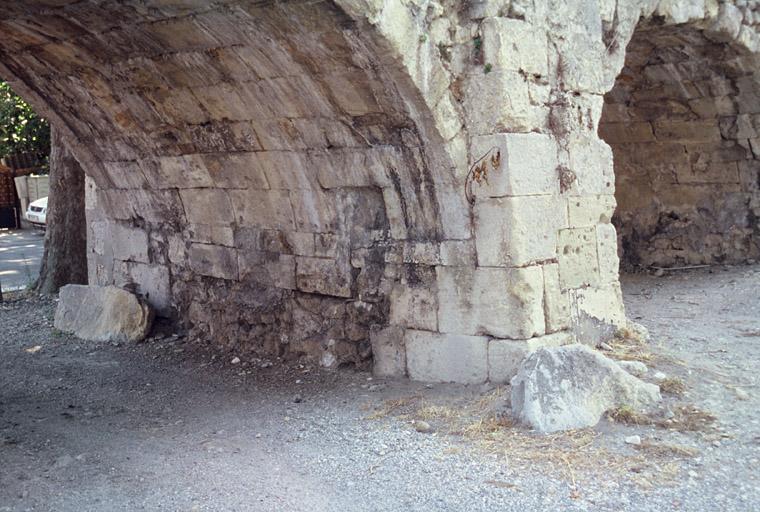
235,360
635,440
422,426
741,394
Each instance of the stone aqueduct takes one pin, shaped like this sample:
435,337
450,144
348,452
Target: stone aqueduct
424,181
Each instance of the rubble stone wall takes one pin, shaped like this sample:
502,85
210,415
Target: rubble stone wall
682,121
417,182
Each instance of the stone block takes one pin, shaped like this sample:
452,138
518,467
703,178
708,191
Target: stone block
314,211
269,209
395,214
570,387
712,172
269,269
607,251
209,206
528,164
692,130
186,171
457,253
288,170
556,301
325,276
498,100
421,253
352,93
355,168
505,356
301,244
516,231
434,357
129,243
415,307
106,313
500,302
591,160
626,133
578,261
210,234
236,170
597,313
515,45
214,261
586,211
152,283
388,351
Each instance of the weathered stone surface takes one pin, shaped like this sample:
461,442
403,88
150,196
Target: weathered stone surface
287,178
528,164
505,303
506,356
102,313
570,387
388,352
517,231
437,357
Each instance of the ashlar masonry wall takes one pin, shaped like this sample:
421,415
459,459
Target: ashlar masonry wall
419,185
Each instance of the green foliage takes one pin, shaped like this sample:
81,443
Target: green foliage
21,129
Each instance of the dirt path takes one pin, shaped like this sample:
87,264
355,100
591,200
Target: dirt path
167,426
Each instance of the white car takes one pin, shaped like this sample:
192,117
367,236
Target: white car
36,213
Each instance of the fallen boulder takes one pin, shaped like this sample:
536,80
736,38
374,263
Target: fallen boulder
568,387
102,313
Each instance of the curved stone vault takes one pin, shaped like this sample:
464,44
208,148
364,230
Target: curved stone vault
415,180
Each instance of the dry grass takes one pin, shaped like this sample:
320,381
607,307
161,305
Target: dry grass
629,416
628,346
575,455
673,386
686,418
666,450
395,407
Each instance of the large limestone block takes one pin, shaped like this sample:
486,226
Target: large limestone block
500,302
388,351
515,45
214,261
597,313
556,300
434,357
527,164
578,260
569,387
106,313
207,206
518,231
499,99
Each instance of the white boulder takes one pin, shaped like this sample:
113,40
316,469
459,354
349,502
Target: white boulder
102,313
569,387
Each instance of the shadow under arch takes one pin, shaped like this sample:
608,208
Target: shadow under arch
683,121
264,173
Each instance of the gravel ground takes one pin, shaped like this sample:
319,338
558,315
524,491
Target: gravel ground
168,425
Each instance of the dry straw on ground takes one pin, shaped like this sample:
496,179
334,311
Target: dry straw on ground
575,455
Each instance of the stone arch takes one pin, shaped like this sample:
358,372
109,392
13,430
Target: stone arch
267,174
682,121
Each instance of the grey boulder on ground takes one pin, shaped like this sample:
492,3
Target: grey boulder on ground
563,388
102,313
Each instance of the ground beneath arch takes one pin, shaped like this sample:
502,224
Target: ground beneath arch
168,426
